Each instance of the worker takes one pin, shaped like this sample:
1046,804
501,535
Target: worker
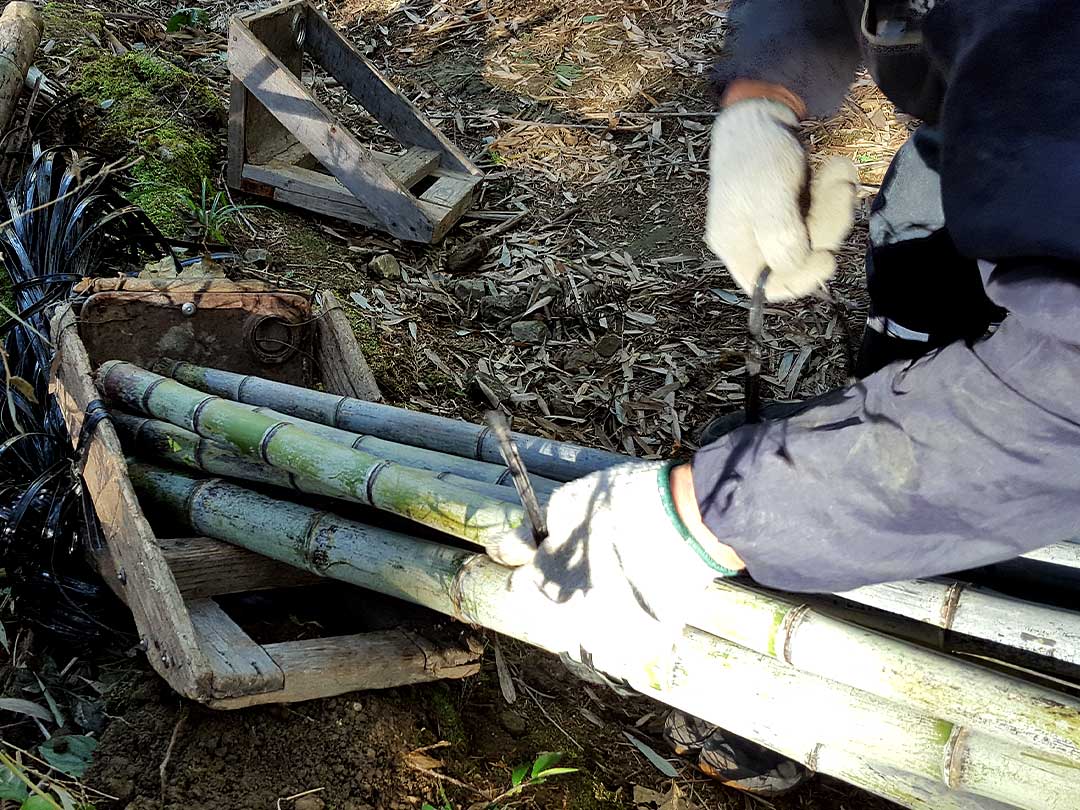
959,445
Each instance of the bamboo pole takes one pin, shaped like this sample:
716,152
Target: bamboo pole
410,456
418,495
155,440
1051,633
560,461
795,713
20,33
951,689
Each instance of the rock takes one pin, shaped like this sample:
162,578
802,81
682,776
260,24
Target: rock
529,331
256,256
488,390
576,360
514,723
608,345
469,290
546,287
163,268
310,802
385,266
496,308
465,257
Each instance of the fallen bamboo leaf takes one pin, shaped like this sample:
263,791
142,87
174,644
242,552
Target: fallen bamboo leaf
27,707
654,758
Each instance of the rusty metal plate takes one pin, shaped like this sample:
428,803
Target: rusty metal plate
268,333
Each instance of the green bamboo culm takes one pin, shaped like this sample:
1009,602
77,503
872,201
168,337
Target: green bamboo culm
155,440
418,495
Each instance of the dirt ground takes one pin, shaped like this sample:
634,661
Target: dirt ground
592,118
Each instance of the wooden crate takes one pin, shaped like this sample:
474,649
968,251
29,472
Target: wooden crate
174,585
285,145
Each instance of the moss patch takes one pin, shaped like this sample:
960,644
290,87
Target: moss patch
447,718
71,23
136,96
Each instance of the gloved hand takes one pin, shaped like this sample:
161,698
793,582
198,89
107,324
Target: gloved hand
763,207
621,562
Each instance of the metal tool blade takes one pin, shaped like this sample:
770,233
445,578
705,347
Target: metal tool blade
520,476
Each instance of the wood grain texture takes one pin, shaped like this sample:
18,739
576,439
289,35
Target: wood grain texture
204,567
323,194
342,364
268,79
324,667
239,665
413,166
378,96
237,138
265,136
151,593
20,33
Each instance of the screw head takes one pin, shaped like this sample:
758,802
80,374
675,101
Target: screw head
188,309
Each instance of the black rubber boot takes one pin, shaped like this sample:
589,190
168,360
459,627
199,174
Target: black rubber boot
733,760
770,412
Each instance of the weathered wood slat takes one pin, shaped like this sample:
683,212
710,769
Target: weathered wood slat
455,194
204,567
413,166
264,135
240,666
380,98
343,366
140,568
332,666
264,75
237,148
325,195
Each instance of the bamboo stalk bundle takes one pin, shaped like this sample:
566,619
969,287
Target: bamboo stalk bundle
560,461
951,689
1051,633
410,456
418,495
827,725
153,439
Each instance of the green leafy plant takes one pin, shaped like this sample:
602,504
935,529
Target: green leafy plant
33,790
187,18
524,776
212,211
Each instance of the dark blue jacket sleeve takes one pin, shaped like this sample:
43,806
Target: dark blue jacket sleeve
809,46
970,455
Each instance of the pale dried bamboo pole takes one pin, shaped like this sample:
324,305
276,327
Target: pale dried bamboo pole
949,688
1049,632
559,461
793,712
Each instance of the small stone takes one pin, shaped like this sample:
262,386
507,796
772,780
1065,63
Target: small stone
496,308
357,706
529,331
514,723
608,345
469,290
488,390
385,266
309,802
166,154
576,360
256,256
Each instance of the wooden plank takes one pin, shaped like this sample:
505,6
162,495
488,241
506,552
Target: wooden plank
412,167
455,195
234,168
324,667
321,193
343,367
378,96
204,567
269,81
275,28
156,604
240,666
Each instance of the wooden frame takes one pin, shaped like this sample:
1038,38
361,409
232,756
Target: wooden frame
170,585
280,135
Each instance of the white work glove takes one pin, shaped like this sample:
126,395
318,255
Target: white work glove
623,567
759,214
